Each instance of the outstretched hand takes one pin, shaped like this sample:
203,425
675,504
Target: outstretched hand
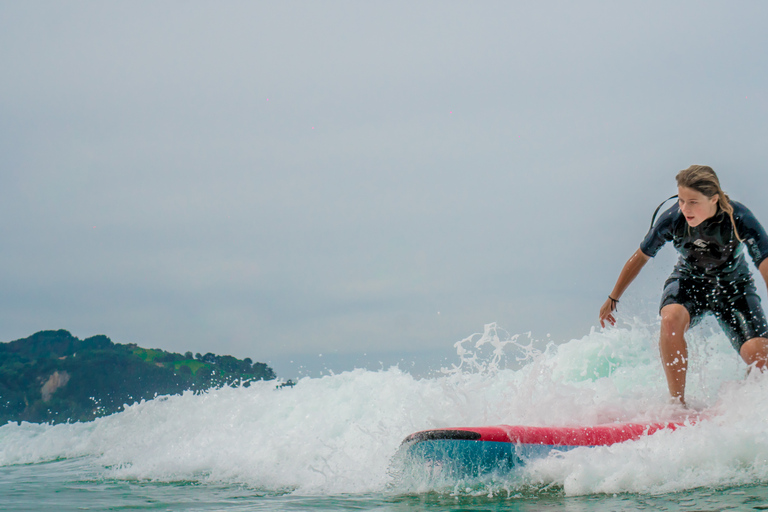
606,313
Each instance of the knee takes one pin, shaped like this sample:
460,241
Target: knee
674,320
755,352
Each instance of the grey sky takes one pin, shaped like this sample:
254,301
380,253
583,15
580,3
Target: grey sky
282,179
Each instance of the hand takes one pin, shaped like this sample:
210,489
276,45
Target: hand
606,313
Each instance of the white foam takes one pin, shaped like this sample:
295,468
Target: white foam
728,446
337,434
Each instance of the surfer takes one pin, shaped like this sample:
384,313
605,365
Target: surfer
711,276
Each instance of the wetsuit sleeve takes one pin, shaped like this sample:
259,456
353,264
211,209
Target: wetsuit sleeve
660,233
751,232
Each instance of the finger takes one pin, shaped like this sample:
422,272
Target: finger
607,318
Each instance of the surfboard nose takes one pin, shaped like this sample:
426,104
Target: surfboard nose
453,434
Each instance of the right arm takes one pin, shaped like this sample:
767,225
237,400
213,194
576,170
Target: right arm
631,269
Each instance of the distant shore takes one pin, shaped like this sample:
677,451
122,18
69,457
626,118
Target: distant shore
53,376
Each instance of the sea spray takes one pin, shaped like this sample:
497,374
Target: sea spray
339,433
724,446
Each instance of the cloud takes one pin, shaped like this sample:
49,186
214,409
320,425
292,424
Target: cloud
273,179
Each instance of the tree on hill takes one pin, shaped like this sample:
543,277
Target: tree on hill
53,376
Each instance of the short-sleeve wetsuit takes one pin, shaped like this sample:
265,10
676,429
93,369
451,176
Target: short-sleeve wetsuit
711,275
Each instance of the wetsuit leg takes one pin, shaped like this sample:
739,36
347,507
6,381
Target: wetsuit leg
740,314
688,294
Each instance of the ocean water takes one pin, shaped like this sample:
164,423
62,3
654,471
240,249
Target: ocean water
329,443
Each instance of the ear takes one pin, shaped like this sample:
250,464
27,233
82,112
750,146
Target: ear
714,199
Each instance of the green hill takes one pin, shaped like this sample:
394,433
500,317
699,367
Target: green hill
53,376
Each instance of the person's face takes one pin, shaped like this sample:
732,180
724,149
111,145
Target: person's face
696,207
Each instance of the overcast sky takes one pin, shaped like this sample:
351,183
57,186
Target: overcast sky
278,180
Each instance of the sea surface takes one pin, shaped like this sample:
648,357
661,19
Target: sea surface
328,443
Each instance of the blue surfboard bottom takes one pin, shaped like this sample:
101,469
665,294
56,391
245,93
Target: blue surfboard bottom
453,457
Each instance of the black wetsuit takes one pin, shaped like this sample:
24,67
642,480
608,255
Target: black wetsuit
711,275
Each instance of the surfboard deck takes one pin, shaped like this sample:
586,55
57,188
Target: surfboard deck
501,448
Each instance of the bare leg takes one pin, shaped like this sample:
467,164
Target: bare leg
755,352
674,351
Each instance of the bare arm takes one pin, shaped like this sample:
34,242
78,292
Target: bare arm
631,269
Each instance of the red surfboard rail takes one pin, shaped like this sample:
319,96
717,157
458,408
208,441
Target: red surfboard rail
598,435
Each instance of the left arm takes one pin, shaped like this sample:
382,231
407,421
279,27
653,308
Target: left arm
763,268
754,237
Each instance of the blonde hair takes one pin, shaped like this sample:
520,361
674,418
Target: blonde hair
703,179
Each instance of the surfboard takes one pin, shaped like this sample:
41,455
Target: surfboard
502,448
